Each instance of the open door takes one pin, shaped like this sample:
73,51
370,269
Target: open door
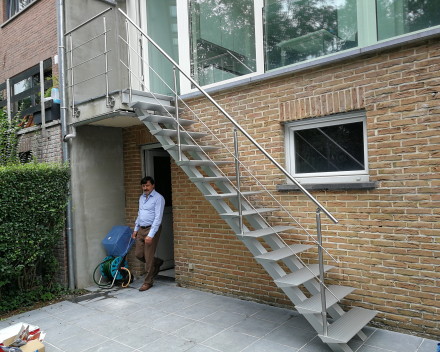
157,164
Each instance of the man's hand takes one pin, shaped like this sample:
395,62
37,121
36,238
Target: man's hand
133,236
148,240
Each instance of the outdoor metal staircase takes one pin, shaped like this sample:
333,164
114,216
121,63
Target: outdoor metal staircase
220,181
245,203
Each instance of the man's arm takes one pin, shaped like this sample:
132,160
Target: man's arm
136,224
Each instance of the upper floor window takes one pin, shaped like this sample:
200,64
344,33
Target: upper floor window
398,17
222,36
15,6
298,30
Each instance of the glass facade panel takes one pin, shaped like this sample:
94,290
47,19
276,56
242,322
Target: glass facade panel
329,149
222,39
397,17
162,15
299,30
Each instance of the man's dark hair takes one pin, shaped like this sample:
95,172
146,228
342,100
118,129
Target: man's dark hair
146,179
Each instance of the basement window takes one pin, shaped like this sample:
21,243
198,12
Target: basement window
332,149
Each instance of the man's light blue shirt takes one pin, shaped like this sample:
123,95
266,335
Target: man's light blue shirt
150,212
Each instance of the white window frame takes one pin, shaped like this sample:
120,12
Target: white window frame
325,177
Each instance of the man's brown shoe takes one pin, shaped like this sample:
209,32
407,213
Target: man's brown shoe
145,287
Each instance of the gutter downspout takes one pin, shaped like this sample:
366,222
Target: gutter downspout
64,131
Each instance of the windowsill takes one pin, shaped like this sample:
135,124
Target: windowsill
18,13
328,186
345,55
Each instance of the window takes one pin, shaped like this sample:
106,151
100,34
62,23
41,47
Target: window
298,30
15,6
328,150
222,36
397,17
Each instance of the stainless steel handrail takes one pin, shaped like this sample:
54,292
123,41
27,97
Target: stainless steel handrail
87,21
262,150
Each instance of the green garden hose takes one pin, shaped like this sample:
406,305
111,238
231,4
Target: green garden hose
108,270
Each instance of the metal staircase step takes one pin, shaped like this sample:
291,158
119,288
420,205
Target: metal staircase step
267,231
248,212
212,179
282,253
313,304
302,275
348,325
202,162
231,195
166,120
191,148
155,107
173,133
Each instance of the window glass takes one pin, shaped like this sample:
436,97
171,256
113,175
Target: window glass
15,6
222,39
299,30
397,17
162,14
329,149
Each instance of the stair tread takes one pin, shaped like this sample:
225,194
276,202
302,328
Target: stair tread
191,148
212,179
348,325
313,304
154,107
300,276
231,195
248,212
166,120
202,162
173,133
284,252
267,231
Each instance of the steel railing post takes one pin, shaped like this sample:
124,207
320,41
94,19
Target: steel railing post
43,111
237,173
321,273
128,63
8,102
72,77
106,64
176,106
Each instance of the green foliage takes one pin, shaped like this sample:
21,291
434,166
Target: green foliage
33,198
8,138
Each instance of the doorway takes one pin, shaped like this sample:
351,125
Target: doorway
157,164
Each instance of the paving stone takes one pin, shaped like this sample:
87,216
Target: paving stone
198,332
140,337
316,345
428,346
168,344
172,323
393,341
197,312
230,341
110,346
224,319
255,327
268,346
277,315
290,336
146,316
80,343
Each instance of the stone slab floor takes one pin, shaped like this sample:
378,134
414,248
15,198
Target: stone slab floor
169,318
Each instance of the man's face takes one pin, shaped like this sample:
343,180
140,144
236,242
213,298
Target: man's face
147,188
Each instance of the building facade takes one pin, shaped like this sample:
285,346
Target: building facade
342,94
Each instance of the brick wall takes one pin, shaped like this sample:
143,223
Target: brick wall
28,39
388,239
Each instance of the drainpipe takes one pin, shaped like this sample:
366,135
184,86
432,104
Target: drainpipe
64,131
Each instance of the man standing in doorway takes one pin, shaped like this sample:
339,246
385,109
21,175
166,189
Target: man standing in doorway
147,230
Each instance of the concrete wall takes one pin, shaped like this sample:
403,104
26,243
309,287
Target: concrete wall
98,195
